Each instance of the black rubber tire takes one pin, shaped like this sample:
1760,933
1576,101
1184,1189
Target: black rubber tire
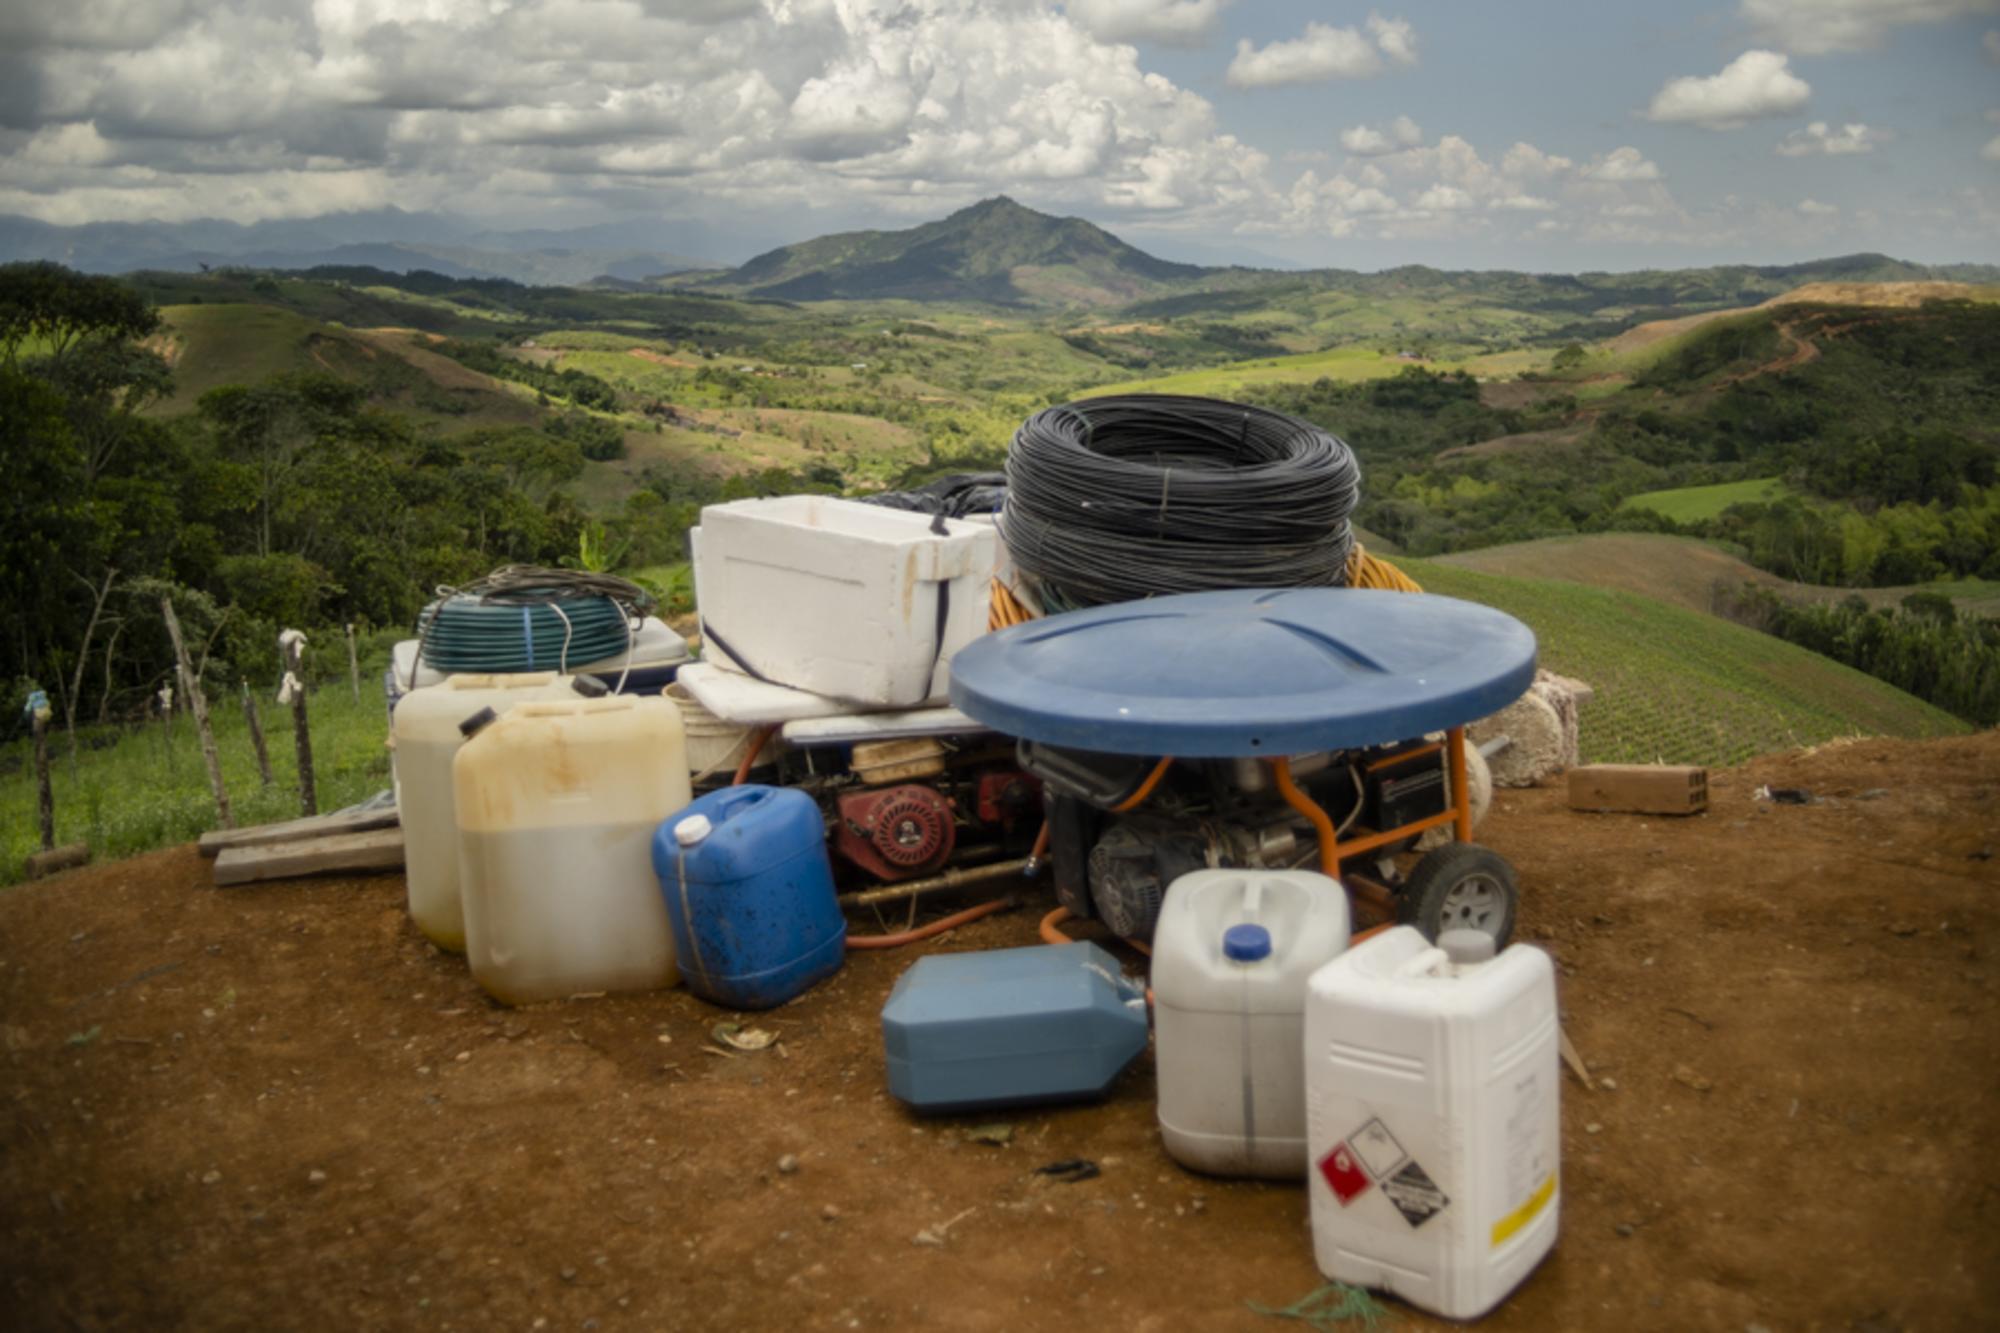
1460,886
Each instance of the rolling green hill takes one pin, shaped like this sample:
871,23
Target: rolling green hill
1687,572
1677,686
211,345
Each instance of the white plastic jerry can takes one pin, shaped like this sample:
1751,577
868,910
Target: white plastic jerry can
1232,954
1432,1104
557,805
427,736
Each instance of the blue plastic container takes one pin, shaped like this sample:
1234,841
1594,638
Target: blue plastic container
750,896
1011,1027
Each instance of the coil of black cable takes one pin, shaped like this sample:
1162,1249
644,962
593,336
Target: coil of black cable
1120,498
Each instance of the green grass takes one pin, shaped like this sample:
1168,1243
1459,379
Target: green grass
234,344
1677,686
135,789
1692,504
1346,364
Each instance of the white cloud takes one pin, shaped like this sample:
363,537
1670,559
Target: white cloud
1992,45
1756,83
1370,200
1622,165
1815,27
1175,22
1444,199
77,144
139,195
1991,152
720,106
1528,162
1819,137
1366,141
1396,37
1813,208
1324,52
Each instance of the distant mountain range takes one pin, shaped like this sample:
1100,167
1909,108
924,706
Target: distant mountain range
387,239
996,251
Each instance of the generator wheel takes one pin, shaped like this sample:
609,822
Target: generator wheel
1460,886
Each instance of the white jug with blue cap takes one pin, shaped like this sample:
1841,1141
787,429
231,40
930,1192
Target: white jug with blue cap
1232,956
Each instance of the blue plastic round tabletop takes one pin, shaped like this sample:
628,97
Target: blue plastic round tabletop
1246,673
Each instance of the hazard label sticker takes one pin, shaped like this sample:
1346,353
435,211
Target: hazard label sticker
1416,1196
1377,1148
1344,1174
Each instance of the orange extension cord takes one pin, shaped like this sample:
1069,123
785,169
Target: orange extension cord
952,922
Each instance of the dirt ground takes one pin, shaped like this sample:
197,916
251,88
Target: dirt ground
280,1107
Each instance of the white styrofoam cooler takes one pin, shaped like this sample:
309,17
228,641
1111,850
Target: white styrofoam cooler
1432,1103
840,598
1232,956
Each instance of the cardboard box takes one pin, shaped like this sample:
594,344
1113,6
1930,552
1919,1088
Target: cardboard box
1639,789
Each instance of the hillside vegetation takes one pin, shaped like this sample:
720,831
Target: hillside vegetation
1676,686
1690,572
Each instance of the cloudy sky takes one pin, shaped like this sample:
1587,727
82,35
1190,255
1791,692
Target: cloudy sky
1524,134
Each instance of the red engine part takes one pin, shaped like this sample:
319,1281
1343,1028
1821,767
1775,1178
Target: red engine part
895,832
1006,795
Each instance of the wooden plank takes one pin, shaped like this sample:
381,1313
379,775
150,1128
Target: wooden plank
1639,789
343,853
297,830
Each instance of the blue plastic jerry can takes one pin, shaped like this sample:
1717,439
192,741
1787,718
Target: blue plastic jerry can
750,897
1011,1027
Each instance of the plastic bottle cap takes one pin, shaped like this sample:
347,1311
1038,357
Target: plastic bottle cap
478,722
1466,946
590,687
692,830
1246,943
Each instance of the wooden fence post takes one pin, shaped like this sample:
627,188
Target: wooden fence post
47,808
50,857
256,733
292,644
197,702
353,663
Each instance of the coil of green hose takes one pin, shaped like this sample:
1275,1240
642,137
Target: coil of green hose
526,618
463,633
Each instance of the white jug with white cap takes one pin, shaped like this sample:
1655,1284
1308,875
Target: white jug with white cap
1432,1092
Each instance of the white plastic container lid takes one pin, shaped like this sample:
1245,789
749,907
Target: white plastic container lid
692,830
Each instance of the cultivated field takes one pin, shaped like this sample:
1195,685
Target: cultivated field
1677,686
1689,572
1692,504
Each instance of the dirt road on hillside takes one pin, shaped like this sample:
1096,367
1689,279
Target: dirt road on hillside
280,1107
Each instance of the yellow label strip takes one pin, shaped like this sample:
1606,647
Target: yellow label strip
1525,1214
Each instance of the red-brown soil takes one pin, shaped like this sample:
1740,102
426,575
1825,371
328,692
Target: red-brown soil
280,1107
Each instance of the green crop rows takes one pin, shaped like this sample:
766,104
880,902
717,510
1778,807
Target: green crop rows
1677,686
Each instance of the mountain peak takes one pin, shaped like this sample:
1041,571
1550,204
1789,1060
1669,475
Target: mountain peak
998,205
997,250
